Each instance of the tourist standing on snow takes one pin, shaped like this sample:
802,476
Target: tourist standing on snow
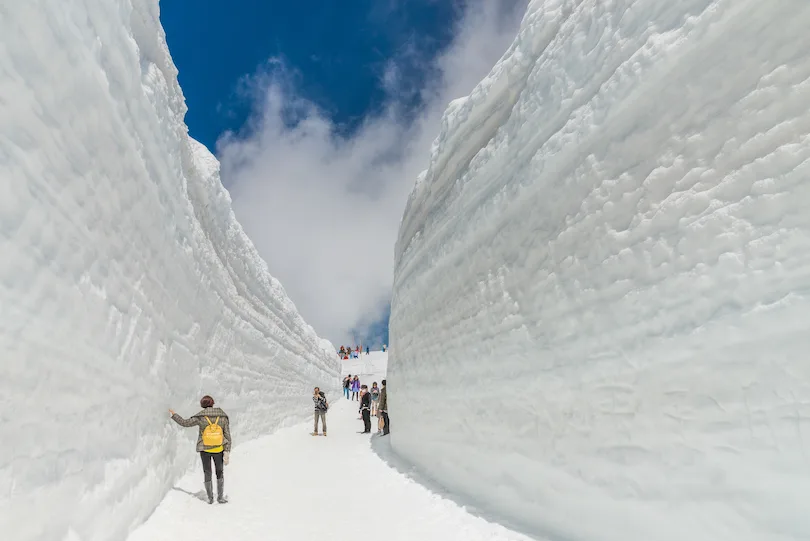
213,443
365,409
367,350
384,409
355,388
384,348
321,407
347,384
375,398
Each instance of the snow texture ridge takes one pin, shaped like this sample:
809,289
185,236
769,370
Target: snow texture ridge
603,277
126,284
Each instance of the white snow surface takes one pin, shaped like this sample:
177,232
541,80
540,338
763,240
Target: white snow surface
126,285
292,485
603,277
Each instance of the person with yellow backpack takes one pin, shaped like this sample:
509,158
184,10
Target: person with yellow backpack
213,443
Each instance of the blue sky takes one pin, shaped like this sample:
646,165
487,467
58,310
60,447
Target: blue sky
322,115
338,49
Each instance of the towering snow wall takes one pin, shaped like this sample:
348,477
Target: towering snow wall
600,317
126,285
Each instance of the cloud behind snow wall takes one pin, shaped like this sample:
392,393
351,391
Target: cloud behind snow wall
126,284
603,277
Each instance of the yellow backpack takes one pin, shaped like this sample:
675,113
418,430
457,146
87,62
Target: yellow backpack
212,435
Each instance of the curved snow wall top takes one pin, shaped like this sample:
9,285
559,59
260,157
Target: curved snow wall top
126,285
603,278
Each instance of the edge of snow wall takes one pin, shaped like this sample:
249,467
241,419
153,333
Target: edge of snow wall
127,286
602,284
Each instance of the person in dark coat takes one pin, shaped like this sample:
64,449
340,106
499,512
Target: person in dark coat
384,409
365,409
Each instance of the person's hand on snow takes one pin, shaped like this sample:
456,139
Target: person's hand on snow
226,457
171,412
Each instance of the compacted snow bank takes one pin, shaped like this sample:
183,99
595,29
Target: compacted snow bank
126,285
603,277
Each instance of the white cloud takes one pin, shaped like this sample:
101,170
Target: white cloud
323,209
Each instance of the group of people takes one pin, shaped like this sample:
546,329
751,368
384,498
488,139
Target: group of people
346,351
214,437
374,402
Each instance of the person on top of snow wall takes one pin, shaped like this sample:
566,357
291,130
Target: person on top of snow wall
368,350
321,407
213,443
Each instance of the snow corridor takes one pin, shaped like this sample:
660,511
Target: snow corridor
291,485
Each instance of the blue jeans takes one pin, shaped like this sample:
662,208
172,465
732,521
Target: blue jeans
346,392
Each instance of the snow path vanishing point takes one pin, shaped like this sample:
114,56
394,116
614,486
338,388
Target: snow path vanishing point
295,486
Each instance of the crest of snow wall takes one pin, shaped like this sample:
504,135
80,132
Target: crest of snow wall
600,316
126,284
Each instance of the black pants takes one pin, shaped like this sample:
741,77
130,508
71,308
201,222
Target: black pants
386,424
206,460
354,395
367,420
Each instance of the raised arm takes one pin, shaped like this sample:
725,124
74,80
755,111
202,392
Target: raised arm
183,422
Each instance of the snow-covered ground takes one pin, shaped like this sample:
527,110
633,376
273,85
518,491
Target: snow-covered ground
603,278
126,285
294,486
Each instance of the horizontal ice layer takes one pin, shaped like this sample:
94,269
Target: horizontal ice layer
126,285
603,278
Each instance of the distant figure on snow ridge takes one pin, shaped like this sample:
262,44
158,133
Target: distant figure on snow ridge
321,407
347,385
365,409
355,388
384,409
367,350
384,348
213,443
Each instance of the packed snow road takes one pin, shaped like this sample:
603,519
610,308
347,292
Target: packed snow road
291,485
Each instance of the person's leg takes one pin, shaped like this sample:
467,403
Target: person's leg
366,421
323,422
206,462
386,423
379,422
315,417
219,465
220,468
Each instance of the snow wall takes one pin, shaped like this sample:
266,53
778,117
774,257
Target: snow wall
126,285
603,278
